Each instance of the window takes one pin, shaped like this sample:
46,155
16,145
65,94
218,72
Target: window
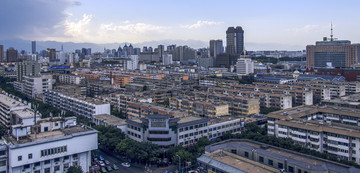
280,166
3,163
299,170
66,158
30,156
19,158
75,163
47,162
46,129
56,159
66,166
233,151
38,171
57,168
2,153
75,156
47,170
37,164
291,169
246,154
26,166
270,162
261,159
56,124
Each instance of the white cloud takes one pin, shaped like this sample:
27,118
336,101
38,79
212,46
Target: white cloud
304,29
78,28
137,28
200,24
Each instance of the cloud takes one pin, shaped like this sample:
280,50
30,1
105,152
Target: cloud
200,24
33,19
137,28
304,29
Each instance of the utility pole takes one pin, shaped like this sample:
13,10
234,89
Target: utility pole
179,163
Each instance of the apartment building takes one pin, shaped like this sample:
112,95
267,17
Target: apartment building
243,155
140,110
8,104
70,79
326,129
80,105
200,108
35,86
166,130
349,101
120,101
50,147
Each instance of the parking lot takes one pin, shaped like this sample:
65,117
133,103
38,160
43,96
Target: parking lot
134,168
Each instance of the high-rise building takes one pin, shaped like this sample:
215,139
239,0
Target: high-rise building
11,55
51,53
161,50
216,47
332,54
183,53
27,68
1,53
33,47
244,66
234,40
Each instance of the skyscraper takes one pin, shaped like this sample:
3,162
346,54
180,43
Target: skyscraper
234,40
11,55
1,53
332,53
51,53
161,50
216,47
33,47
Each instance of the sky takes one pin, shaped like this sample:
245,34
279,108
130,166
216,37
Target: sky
268,24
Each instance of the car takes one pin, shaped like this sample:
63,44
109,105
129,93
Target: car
101,158
103,169
115,167
107,162
101,163
126,164
109,168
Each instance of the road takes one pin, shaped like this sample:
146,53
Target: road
134,168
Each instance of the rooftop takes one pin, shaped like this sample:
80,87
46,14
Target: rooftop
25,113
110,119
50,135
10,102
233,163
78,97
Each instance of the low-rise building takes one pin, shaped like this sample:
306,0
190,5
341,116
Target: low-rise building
80,105
70,79
332,130
242,155
50,147
8,104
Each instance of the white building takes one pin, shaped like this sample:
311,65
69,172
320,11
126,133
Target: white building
70,79
81,106
132,64
34,86
53,148
244,66
27,68
167,59
331,130
165,130
9,104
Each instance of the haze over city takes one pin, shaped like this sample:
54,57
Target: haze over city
268,25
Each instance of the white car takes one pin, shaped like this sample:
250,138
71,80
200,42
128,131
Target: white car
126,164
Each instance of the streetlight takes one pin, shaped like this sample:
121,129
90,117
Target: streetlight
179,162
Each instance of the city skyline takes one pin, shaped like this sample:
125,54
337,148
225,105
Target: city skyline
274,25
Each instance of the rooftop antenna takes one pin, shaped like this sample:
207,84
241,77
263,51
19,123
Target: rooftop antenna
331,36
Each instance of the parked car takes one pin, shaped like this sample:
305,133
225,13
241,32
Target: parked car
109,168
115,167
101,158
107,162
126,164
103,169
101,163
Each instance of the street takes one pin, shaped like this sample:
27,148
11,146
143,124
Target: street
134,168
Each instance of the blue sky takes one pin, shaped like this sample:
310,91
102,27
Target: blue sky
268,24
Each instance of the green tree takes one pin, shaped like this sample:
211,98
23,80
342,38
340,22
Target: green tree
74,169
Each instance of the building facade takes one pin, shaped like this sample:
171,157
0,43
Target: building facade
27,68
234,40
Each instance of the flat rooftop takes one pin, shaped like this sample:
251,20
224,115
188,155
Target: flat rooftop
81,98
227,161
353,99
292,157
221,119
110,119
303,111
25,113
10,102
50,135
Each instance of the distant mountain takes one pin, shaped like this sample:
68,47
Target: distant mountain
71,46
